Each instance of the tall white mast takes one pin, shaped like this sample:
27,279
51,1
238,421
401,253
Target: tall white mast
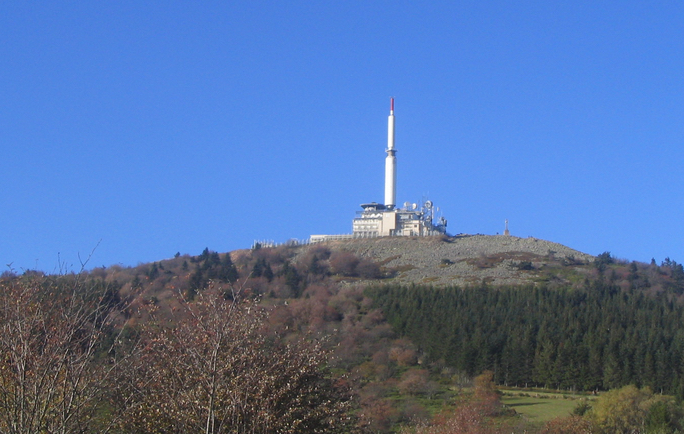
390,162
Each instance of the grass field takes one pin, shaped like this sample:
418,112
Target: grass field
540,409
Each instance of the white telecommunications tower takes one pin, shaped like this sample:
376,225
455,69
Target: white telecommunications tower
383,220
390,162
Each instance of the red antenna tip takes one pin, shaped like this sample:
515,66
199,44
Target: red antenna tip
391,104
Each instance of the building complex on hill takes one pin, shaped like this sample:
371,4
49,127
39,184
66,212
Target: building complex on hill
381,220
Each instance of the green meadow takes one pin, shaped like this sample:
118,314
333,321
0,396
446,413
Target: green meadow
540,407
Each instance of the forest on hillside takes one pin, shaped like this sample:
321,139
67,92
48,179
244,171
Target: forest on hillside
594,338
262,340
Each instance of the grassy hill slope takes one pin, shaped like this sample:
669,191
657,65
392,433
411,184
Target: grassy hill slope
464,260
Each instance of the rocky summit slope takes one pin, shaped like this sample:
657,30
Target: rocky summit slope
466,259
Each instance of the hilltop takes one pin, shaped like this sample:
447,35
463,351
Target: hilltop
287,271
463,260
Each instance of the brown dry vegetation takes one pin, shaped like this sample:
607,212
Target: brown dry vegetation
314,295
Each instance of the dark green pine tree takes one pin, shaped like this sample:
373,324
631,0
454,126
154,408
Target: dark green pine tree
314,267
612,372
153,271
292,279
268,272
205,255
594,372
197,280
229,272
214,260
544,364
136,284
257,269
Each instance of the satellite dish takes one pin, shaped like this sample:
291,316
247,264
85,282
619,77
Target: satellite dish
407,205
414,206
428,204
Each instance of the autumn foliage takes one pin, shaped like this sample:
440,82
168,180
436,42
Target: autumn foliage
68,366
52,332
475,415
214,370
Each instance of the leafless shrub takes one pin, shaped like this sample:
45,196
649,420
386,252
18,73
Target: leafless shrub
368,269
414,382
56,371
215,371
344,263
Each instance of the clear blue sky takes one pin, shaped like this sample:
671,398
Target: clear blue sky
155,127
